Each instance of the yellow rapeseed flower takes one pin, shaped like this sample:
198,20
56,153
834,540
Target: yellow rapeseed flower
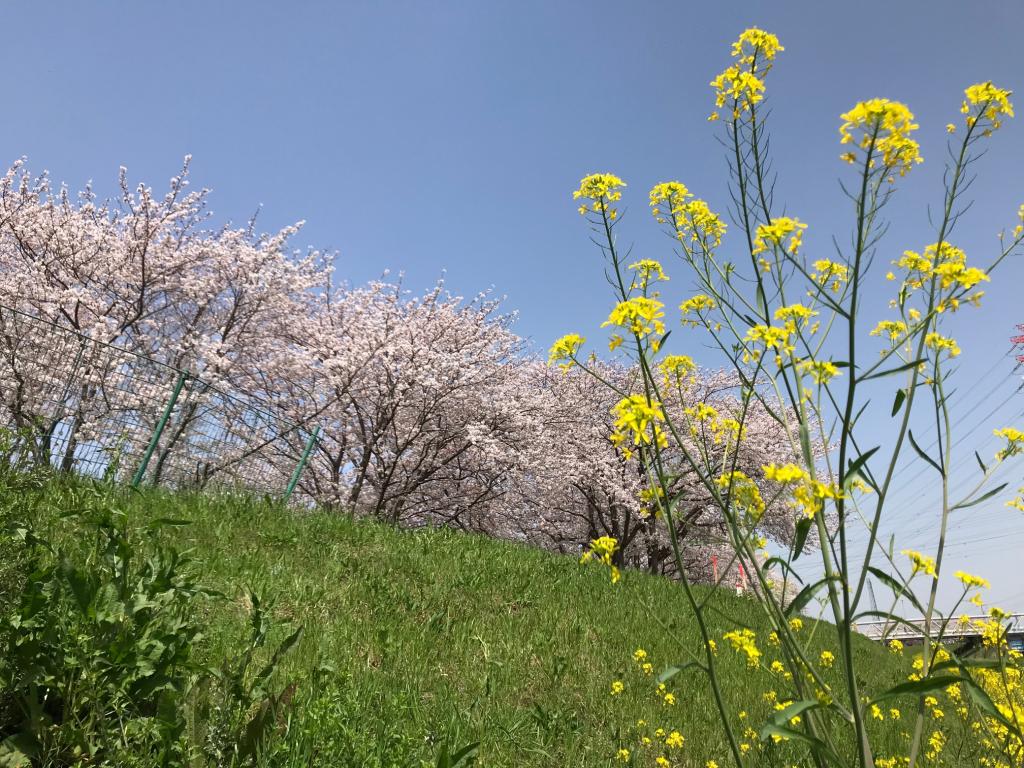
830,274
784,474
920,563
676,368
637,417
987,103
641,315
601,189
696,305
776,232
941,343
565,349
744,641
1014,442
648,269
970,581
602,549
746,496
674,740
883,127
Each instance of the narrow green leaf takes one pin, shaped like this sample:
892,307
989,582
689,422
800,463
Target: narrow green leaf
981,463
982,498
802,529
855,466
898,369
898,589
805,595
919,687
463,753
669,672
901,395
168,521
817,745
785,566
923,455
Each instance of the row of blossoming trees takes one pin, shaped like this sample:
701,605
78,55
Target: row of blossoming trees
430,408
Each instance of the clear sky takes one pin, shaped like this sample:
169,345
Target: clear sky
439,137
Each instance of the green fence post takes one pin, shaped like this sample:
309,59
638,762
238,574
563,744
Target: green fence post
302,464
141,471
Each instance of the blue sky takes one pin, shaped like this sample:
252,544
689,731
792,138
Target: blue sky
446,137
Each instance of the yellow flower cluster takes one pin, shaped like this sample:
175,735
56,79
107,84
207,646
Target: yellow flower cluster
1017,503
1014,442
637,417
695,306
753,43
602,550
894,329
746,496
745,641
941,343
691,218
970,581
565,349
641,315
947,264
648,270
601,189
809,495
822,371
882,128
830,274
703,416
920,563
794,315
987,103
771,337
785,474
677,368
742,83
776,232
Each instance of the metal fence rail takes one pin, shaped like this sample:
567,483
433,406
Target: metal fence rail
83,406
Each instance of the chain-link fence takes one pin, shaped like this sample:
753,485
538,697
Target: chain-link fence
99,410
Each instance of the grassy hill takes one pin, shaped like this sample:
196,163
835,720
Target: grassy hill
416,639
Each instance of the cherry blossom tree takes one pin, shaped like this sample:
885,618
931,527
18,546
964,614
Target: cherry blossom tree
430,409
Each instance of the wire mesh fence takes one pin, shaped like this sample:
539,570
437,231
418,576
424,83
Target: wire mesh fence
83,406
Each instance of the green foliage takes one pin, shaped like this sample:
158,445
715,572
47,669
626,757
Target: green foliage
415,643
235,711
97,664
97,646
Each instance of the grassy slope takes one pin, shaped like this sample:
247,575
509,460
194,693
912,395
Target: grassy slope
437,635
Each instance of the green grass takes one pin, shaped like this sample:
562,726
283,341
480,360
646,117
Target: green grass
414,638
